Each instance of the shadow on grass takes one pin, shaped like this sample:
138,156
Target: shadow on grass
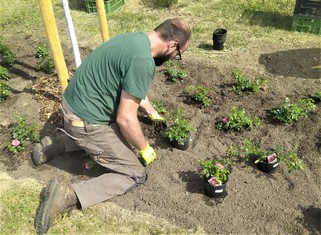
78,5
300,63
206,46
266,19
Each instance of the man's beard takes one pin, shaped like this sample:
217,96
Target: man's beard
160,60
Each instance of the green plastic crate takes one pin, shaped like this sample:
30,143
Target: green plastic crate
306,24
110,5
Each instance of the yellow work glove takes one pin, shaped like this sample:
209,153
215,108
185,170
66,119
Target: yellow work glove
148,154
156,117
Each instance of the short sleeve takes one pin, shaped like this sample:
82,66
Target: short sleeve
138,77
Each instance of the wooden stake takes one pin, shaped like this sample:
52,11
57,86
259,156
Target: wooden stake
102,20
54,42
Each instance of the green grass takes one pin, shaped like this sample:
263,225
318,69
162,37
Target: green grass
19,200
19,16
246,21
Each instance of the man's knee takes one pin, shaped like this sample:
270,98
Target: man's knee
139,179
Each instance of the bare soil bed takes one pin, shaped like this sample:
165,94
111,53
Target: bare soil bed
256,203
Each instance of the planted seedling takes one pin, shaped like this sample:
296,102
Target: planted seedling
199,94
4,74
21,133
42,51
174,71
238,119
316,97
7,57
46,63
177,128
4,90
244,83
47,66
291,112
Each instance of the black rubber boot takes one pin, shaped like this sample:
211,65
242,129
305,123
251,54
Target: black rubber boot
58,197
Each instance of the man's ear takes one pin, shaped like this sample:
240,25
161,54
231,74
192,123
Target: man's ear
172,44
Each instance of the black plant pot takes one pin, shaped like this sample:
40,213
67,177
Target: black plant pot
216,190
159,126
268,167
183,146
219,38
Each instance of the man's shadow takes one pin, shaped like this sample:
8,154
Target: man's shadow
311,219
301,63
77,163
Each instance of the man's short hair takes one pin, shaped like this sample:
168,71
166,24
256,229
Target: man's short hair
174,29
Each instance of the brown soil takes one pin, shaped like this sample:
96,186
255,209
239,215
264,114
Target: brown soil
256,203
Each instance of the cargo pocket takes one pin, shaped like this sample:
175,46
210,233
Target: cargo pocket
90,148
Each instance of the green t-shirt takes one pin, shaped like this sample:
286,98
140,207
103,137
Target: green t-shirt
122,63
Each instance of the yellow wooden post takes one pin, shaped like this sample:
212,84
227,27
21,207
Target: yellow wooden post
102,20
54,42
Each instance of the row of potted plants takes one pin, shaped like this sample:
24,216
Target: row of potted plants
216,173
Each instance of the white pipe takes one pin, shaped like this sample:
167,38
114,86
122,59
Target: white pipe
72,34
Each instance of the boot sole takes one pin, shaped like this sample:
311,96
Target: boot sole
43,222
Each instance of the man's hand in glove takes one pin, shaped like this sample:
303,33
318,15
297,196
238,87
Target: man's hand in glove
155,117
148,154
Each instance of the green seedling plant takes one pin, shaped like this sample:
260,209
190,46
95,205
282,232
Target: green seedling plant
291,159
232,153
291,112
252,149
4,90
174,71
244,83
238,119
7,57
4,74
21,133
42,51
316,97
200,94
215,171
176,127
46,63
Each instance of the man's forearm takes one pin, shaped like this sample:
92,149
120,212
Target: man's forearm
147,107
132,131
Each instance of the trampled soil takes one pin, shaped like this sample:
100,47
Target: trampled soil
256,203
